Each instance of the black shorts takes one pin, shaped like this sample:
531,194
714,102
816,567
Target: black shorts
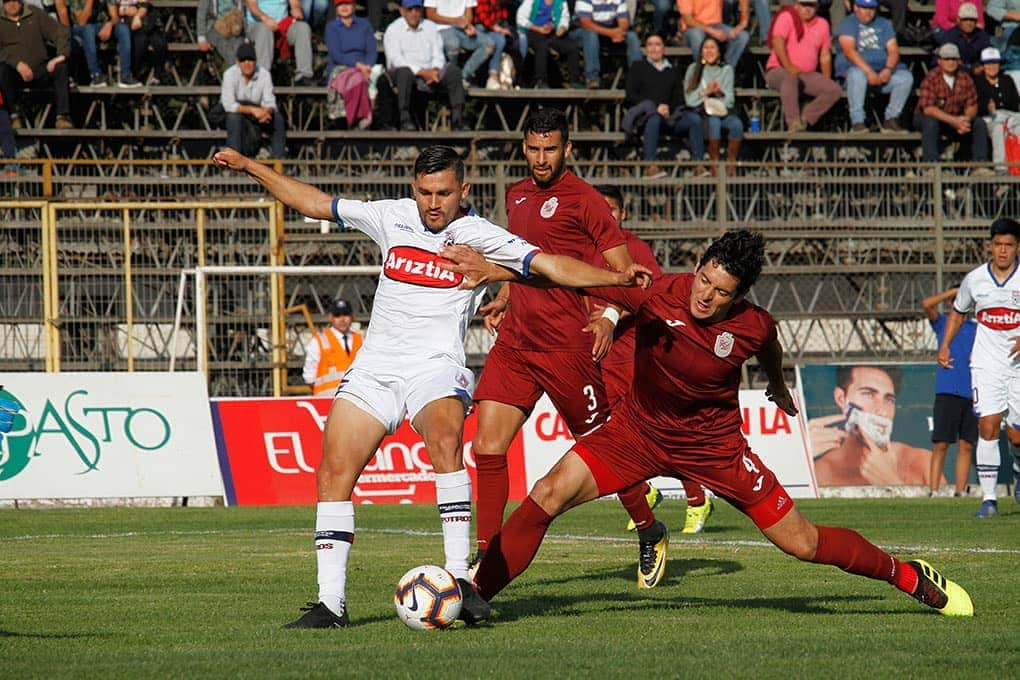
954,419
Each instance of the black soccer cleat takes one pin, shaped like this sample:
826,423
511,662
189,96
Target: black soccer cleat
473,609
318,615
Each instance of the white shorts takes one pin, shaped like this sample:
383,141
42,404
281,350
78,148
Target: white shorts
389,392
996,391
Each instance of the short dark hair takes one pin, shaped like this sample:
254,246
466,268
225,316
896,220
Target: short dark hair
545,120
845,375
1005,226
741,253
611,191
437,158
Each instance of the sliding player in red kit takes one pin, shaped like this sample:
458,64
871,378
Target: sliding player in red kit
618,375
682,417
542,345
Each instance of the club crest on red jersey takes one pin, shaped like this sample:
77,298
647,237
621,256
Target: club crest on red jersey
723,345
548,208
419,268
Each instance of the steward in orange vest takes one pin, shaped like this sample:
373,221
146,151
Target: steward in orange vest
332,351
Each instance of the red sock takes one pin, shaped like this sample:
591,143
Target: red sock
636,504
695,492
851,552
511,551
493,492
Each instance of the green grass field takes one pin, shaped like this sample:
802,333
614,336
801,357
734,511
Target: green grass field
181,592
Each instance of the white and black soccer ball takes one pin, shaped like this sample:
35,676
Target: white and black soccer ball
427,598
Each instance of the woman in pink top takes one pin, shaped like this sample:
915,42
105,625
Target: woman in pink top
801,58
946,11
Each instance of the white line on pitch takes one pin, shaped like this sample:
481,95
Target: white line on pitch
552,537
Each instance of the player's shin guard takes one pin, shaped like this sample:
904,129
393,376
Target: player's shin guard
635,502
453,496
695,492
512,550
987,457
334,534
493,493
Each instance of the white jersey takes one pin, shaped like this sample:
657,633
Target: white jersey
419,312
996,308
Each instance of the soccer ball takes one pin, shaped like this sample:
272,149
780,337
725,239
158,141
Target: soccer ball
427,597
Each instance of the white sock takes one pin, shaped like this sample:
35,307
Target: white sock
334,533
987,458
453,496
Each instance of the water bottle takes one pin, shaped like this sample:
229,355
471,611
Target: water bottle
755,122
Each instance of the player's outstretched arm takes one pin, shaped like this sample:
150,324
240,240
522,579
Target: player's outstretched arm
771,359
558,270
570,273
302,197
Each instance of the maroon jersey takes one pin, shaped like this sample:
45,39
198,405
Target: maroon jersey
567,218
622,350
687,372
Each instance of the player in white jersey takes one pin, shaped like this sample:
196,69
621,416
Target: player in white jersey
992,293
412,360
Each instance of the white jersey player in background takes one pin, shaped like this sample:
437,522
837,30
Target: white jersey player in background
992,293
413,358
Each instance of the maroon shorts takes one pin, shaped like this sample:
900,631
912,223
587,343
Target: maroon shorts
618,455
571,379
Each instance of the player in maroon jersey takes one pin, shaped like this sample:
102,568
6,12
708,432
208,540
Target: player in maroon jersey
542,344
682,416
618,372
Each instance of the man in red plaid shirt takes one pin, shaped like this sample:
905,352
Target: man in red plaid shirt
947,104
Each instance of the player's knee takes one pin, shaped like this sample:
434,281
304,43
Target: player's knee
546,494
445,451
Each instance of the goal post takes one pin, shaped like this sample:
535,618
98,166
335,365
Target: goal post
275,318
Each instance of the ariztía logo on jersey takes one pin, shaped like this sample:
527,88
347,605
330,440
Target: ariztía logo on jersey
999,318
723,345
548,208
419,268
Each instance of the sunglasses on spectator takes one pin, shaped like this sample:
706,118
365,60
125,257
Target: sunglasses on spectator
949,58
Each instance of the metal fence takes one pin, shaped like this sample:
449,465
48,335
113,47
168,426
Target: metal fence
93,284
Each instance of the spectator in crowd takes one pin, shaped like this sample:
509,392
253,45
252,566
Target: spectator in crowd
351,71
710,98
660,12
968,38
248,106
841,9
954,421
603,23
459,31
655,98
331,352
868,55
700,18
946,16
278,24
494,17
1007,13
544,25
89,24
220,26
25,35
762,13
416,62
136,26
801,58
998,104
314,13
947,104
8,144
